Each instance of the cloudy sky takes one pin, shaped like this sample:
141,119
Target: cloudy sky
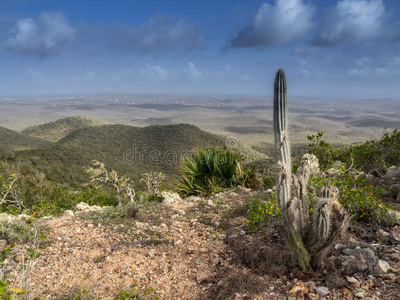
328,48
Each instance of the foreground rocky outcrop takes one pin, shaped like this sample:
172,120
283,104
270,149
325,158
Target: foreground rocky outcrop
197,248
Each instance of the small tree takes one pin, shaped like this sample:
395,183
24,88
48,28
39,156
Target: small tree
100,175
9,193
153,182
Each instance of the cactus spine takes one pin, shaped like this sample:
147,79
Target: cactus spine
309,244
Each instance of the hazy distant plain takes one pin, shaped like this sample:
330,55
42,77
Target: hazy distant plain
247,118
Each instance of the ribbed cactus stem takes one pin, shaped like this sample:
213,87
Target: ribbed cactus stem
329,221
281,137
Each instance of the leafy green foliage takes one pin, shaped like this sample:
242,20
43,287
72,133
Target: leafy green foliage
11,141
357,195
21,232
116,212
209,169
373,155
261,210
131,293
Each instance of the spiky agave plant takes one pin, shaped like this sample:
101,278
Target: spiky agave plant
208,169
309,243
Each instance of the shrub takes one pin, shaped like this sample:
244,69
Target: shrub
209,169
153,181
356,194
374,155
261,210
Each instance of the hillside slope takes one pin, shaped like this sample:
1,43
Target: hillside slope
11,141
128,149
59,129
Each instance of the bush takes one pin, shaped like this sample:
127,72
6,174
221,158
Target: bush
374,155
210,170
261,210
356,194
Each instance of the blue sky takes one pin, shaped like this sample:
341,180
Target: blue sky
329,49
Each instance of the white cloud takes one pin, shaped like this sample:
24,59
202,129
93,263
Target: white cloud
40,38
352,21
274,25
194,73
366,67
155,72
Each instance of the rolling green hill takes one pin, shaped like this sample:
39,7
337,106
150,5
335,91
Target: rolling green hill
11,141
127,149
59,129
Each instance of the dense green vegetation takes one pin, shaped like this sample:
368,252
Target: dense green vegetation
374,156
52,179
54,131
12,141
126,149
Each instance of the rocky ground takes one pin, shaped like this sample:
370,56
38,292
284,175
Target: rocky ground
198,248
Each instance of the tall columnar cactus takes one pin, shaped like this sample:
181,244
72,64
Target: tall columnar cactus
309,243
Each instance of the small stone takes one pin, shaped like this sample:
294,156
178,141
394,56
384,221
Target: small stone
169,198
395,235
242,232
322,291
190,250
298,288
199,261
390,276
193,198
4,217
361,294
365,286
82,206
95,208
203,250
347,294
383,266
210,202
151,252
312,296
371,282
201,276
181,212
311,286
351,279
178,243
68,213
